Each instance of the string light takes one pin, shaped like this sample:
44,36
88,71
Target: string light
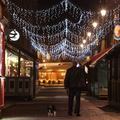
65,38
50,14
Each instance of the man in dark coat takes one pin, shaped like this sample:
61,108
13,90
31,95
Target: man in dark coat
74,81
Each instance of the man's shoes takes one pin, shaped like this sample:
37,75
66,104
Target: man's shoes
78,115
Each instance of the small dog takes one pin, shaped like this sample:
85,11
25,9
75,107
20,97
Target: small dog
51,111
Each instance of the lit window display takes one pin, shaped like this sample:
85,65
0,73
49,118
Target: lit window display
26,67
11,64
16,66
51,77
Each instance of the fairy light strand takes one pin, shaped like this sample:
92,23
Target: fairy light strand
64,38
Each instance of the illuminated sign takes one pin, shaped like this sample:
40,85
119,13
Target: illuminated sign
14,35
117,32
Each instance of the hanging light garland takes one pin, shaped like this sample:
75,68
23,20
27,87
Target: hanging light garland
66,37
49,14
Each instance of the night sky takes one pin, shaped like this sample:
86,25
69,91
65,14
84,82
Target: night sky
94,5
84,4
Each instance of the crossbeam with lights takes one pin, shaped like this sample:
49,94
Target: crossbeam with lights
64,38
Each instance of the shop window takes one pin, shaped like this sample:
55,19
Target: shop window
13,67
11,64
51,77
26,67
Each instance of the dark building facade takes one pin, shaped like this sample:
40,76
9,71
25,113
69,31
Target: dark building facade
113,58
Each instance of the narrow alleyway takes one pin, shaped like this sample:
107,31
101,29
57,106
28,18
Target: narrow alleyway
91,108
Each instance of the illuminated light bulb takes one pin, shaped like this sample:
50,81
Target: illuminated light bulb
84,41
44,65
89,34
81,45
103,12
21,59
95,24
43,60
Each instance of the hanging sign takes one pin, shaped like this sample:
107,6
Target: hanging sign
14,35
117,32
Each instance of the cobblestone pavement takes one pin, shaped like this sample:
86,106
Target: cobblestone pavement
91,108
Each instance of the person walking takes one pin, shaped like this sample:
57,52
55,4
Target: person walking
73,83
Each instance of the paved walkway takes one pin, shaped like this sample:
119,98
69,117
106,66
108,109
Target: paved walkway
91,108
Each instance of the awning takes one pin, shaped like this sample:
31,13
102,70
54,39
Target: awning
97,57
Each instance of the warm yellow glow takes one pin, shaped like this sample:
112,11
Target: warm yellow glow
88,58
89,34
103,12
62,74
84,41
95,24
43,60
41,80
13,59
21,59
61,70
81,45
44,65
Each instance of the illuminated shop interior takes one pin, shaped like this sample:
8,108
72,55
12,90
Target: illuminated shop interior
17,65
52,73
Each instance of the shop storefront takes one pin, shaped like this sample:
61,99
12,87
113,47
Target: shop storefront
98,79
113,58
18,64
51,77
20,73
52,73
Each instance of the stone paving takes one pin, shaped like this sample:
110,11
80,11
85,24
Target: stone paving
91,108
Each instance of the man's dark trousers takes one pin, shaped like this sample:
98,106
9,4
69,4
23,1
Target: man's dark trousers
74,92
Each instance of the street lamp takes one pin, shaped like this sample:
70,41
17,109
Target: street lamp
89,34
103,12
95,24
84,41
81,45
